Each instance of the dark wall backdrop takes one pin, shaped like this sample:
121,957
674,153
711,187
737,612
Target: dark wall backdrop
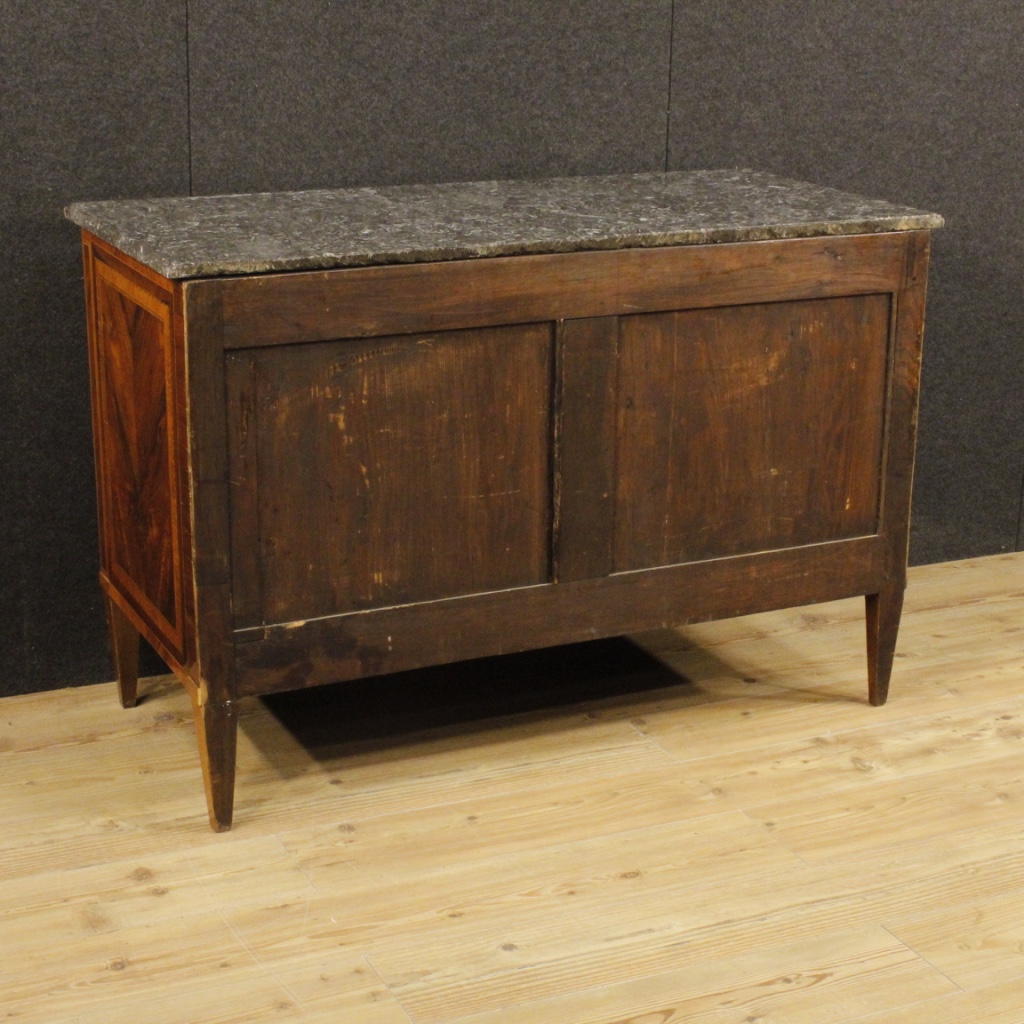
920,103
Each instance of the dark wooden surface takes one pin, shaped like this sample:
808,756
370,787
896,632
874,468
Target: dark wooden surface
214,667
294,655
885,605
278,309
389,471
394,467
124,643
585,448
748,428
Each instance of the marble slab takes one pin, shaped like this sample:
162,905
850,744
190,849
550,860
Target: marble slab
205,236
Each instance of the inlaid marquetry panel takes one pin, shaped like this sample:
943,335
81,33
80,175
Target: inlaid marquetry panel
137,442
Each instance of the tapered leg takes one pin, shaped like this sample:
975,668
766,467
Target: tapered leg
883,623
124,641
217,733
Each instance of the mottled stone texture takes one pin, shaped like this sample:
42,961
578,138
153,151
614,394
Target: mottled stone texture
920,103
300,94
204,236
93,106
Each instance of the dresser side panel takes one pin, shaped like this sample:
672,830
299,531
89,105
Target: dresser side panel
138,437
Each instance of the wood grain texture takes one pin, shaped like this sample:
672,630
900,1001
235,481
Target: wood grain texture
368,471
350,646
749,428
137,446
217,734
157,513
213,672
372,301
151,463
732,833
386,472
883,608
209,494
124,642
586,448
882,613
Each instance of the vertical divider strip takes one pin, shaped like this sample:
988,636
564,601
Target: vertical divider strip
585,448
556,449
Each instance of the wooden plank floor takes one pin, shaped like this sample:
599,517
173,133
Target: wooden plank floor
708,825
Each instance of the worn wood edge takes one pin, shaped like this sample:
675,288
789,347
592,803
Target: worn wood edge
904,400
143,275
142,292
374,301
186,558
214,709
171,638
92,340
209,510
883,608
336,648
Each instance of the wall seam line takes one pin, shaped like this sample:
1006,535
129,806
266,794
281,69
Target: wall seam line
671,58
188,94
1019,538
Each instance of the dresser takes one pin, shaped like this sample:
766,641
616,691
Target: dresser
349,432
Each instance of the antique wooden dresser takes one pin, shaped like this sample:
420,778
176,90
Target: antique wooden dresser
344,433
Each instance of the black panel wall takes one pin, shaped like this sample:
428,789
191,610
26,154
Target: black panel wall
920,103
917,102
93,104
315,93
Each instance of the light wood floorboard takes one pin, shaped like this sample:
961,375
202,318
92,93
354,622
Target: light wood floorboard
701,825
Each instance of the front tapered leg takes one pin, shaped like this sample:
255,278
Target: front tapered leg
217,733
124,643
883,623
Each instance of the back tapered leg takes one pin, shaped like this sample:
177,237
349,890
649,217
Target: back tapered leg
883,623
124,642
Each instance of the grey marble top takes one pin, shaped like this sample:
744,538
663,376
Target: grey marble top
205,236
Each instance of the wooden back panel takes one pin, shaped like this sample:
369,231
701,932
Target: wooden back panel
749,428
524,448
373,473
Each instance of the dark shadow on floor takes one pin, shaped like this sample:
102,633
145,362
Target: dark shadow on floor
382,709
